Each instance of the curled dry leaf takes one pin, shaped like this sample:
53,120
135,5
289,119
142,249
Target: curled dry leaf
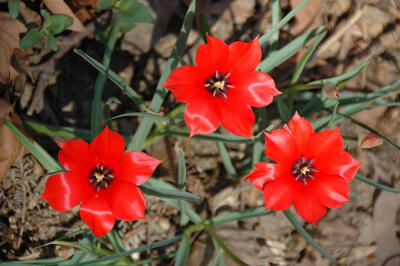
61,8
367,140
11,149
10,54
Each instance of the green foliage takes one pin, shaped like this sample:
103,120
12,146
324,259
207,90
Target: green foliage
13,8
31,38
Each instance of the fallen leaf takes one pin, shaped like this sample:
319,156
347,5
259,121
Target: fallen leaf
11,149
61,8
9,43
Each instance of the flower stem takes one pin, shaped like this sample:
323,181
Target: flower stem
97,112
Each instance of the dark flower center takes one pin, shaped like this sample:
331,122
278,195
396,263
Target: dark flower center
303,169
218,84
100,177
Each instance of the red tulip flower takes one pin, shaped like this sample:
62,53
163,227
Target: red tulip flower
103,178
312,171
222,87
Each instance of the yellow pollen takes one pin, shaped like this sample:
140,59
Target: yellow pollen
304,170
219,85
99,177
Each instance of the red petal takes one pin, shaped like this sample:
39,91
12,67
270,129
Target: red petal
126,200
238,119
264,173
340,164
254,88
136,167
108,145
278,195
96,213
185,83
309,207
281,147
331,191
75,155
323,145
244,57
202,116
66,190
301,130
213,55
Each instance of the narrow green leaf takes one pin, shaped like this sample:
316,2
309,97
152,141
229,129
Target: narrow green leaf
158,98
385,139
306,236
280,56
31,38
60,23
183,251
182,185
168,193
368,181
156,117
219,259
66,132
204,27
129,252
40,154
13,8
264,38
275,21
226,160
117,80
283,109
149,260
72,244
239,215
303,61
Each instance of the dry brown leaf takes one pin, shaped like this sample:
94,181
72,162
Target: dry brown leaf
60,7
11,149
9,43
309,17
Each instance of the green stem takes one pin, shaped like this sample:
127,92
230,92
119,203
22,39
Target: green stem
368,181
97,112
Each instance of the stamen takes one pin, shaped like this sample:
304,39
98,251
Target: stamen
100,177
303,170
218,84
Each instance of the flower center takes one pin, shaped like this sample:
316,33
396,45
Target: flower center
218,84
303,169
100,177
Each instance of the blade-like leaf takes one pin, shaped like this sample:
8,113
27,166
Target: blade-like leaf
182,186
226,160
183,251
66,132
169,193
368,181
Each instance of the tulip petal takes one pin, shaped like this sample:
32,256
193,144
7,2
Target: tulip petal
96,213
281,147
301,130
308,207
202,116
74,155
212,56
322,145
254,88
126,200
136,167
340,164
331,191
238,119
264,173
66,190
185,83
107,146
244,57
279,194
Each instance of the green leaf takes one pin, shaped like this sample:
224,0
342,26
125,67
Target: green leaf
13,8
226,160
156,117
264,38
148,260
303,61
105,4
182,185
60,23
117,80
168,193
238,215
31,38
283,109
160,93
40,154
183,251
52,43
275,20
47,16
368,181
280,56
204,27
133,11
306,236
219,259
66,132
111,258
